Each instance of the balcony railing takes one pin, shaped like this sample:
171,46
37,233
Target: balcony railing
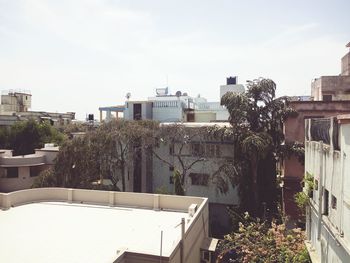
323,129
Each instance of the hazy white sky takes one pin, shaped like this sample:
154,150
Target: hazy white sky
77,55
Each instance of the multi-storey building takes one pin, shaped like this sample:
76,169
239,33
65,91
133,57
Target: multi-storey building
318,106
327,166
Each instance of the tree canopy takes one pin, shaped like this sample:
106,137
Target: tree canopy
257,120
25,136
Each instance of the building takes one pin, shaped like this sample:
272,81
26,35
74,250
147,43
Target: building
75,225
178,107
315,107
15,107
19,172
328,88
327,164
208,155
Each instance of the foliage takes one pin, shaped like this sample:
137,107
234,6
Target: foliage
162,190
103,153
293,149
302,198
46,178
26,136
257,121
258,241
75,165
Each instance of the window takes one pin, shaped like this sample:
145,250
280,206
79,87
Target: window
199,179
327,97
334,202
213,150
35,171
12,172
171,179
325,202
316,185
197,149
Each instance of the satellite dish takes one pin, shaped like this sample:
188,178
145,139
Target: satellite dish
128,95
178,94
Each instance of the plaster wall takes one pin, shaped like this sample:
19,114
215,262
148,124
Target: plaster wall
328,221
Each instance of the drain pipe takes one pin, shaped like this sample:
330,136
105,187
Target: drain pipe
320,193
182,247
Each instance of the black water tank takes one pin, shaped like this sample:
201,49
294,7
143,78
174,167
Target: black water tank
231,81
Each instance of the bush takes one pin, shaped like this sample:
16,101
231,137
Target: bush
257,241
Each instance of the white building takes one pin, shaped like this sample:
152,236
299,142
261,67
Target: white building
181,107
327,153
74,225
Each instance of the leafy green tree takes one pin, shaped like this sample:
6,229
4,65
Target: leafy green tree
26,136
257,121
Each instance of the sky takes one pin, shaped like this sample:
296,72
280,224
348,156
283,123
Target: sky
79,55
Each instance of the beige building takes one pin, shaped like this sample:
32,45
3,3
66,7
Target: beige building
74,225
15,106
19,172
328,88
327,153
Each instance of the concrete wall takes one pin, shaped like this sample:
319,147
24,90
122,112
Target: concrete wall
162,174
238,88
328,226
345,65
170,114
337,86
23,181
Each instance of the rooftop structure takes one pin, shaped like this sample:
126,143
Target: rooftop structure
15,106
178,107
328,88
74,225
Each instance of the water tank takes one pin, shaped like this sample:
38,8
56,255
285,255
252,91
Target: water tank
231,80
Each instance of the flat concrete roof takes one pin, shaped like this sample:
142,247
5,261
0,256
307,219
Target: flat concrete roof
63,232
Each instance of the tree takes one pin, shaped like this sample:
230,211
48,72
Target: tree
259,241
257,121
117,144
189,146
26,136
75,165
103,153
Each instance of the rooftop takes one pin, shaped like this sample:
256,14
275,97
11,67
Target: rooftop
61,232
93,227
